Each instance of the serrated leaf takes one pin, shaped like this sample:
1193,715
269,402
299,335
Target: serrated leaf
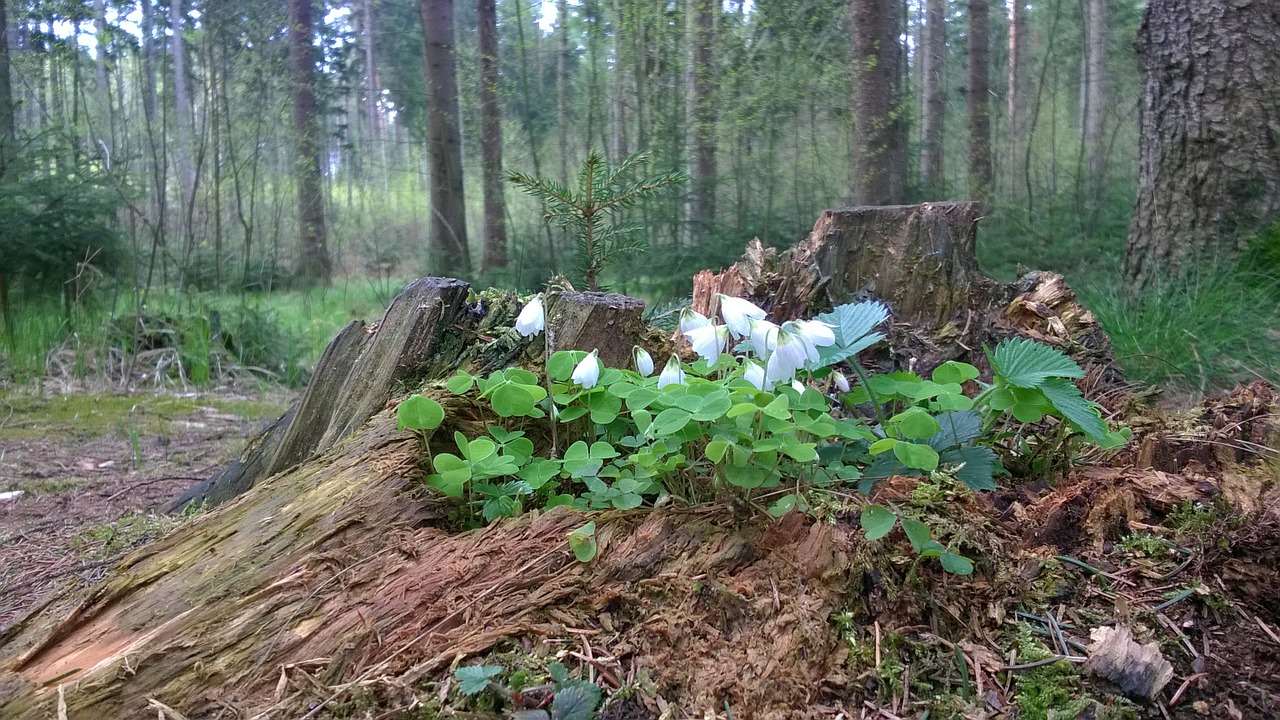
575,701
419,412
851,321
558,672
1067,399
979,465
876,521
917,532
473,679
956,428
1026,363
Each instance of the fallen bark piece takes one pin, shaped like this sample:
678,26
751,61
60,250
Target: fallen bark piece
1138,669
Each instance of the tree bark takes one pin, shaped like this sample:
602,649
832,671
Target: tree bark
314,265
934,51
978,94
1209,150
562,87
495,223
1095,92
447,232
8,125
879,134
1016,110
182,117
619,144
702,114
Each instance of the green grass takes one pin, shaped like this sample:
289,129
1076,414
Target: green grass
24,416
280,333
1205,331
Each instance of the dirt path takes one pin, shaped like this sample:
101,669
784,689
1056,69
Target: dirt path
91,469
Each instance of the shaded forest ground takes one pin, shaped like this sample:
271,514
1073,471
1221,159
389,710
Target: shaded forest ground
93,468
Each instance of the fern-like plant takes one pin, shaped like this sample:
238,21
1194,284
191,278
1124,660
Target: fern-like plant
594,208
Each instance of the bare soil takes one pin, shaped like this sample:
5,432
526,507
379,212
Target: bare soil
93,469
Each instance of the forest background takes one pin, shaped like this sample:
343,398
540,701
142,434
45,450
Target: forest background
224,183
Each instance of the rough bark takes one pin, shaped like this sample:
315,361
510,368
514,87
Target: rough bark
978,96
608,322
1095,93
495,223
447,231
879,134
934,52
1209,123
702,113
8,134
314,265
919,260
1016,109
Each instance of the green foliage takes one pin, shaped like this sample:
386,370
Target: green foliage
474,679
594,208
717,433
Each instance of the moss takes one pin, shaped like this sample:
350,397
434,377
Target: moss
85,416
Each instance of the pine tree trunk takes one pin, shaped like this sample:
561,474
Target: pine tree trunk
1095,92
314,265
447,231
879,135
495,222
104,120
978,93
182,123
562,87
8,125
1015,111
702,114
934,52
1209,160
619,144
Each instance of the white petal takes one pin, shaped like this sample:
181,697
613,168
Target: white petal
755,375
587,373
708,341
817,332
763,335
790,351
778,369
797,386
532,318
737,312
841,381
672,374
690,319
643,361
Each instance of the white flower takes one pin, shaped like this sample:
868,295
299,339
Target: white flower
754,374
737,312
709,341
797,386
642,360
816,332
672,374
690,319
841,381
763,335
532,318
777,369
793,350
587,373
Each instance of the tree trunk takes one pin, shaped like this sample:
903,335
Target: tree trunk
879,134
934,51
562,88
495,223
103,95
619,144
978,94
8,126
1209,159
314,265
1015,110
148,59
1095,92
447,233
702,114
182,119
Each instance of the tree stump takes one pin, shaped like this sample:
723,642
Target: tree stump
608,322
920,260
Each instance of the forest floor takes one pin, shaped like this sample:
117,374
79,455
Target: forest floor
1175,539
92,469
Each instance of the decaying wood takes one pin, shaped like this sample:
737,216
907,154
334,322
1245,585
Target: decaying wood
920,260
608,322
